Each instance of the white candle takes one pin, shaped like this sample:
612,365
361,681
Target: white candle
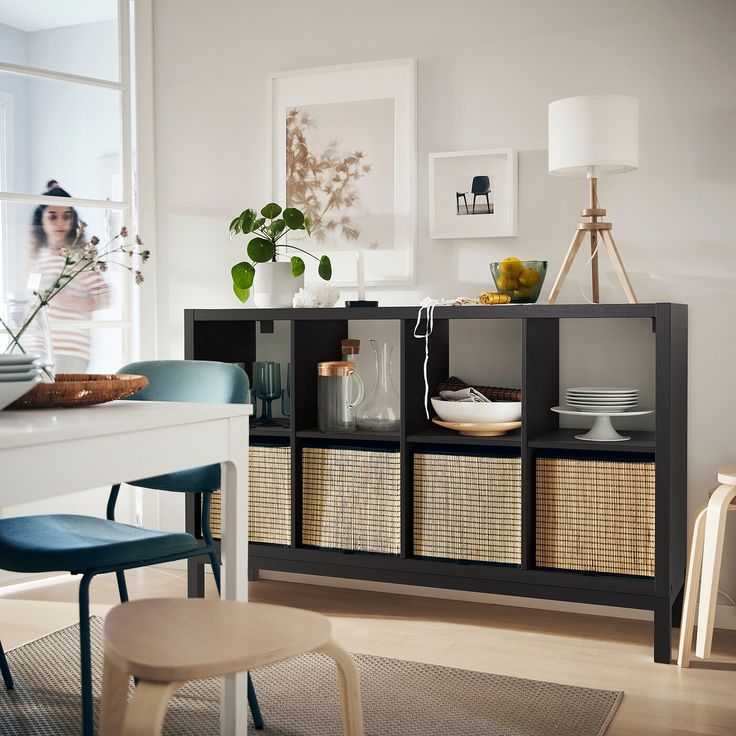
361,276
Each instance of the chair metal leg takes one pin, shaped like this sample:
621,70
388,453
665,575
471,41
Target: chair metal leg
7,677
85,656
122,587
255,709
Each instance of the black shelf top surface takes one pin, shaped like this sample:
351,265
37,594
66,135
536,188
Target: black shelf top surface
564,439
502,311
357,436
442,436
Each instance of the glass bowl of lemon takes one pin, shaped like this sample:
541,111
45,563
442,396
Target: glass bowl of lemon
521,280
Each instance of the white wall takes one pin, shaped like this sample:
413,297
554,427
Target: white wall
486,71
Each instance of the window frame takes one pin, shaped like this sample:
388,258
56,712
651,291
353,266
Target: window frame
137,205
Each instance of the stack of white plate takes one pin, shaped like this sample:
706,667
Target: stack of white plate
602,399
18,375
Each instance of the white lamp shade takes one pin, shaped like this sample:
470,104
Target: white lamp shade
597,134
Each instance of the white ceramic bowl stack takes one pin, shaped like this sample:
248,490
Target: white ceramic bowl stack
18,375
602,399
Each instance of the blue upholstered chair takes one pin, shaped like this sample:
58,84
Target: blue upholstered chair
90,546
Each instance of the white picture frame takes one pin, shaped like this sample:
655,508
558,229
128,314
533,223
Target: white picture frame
452,179
380,93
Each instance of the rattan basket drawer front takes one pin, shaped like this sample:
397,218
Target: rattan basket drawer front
269,496
595,515
467,507
351,499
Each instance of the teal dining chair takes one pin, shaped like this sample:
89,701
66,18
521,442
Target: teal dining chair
91,546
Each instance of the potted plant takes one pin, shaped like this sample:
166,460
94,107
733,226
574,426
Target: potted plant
277,281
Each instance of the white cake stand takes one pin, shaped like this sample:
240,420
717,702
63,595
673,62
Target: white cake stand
602,429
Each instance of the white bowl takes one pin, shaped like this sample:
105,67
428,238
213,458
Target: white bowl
477,411
12,390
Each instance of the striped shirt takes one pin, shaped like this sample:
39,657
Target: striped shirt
85,294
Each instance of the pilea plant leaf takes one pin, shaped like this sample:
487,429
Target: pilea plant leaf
325,268
261,250
258,224
242,294
294,218
234,227
271,210
276,228
297,266
247,218
243,274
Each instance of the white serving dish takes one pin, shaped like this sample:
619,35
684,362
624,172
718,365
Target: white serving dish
12,390
602,429
19,375
477,412
601,390
19,359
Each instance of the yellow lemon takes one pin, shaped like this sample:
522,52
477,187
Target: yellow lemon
525,292
529,277
511,267
507,283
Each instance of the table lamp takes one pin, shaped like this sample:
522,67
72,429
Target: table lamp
590,136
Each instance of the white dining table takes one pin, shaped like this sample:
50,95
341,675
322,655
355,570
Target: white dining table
51,452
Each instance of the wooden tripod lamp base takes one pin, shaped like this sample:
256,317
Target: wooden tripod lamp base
595,228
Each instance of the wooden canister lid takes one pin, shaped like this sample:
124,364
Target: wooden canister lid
335,368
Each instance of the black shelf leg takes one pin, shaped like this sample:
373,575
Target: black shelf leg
663,630
195,579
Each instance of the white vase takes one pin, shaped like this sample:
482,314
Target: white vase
274,286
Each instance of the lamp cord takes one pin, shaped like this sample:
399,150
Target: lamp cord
429,305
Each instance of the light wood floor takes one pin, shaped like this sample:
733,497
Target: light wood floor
574,649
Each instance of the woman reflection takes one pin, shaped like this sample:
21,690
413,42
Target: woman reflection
53,229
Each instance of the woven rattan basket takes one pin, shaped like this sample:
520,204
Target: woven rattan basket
351,499
80,389
595,515
269,496
467,507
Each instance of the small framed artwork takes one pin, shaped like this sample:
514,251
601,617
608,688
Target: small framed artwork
473,194
343,150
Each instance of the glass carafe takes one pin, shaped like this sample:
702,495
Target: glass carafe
336,381
380,411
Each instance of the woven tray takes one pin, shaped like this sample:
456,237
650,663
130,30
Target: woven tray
595,515
80,389
269,496
494,393
467,507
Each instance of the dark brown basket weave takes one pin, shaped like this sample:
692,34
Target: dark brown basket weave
595,515
467,507
494,393
351,499
80,389
269,496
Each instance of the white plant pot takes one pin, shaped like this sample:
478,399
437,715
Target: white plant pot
274,286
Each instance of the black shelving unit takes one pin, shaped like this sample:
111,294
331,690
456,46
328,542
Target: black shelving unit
230,335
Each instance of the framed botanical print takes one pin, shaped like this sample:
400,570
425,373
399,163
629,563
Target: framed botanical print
343,150
473,194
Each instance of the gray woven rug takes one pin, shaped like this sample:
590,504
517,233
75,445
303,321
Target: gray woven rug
299,698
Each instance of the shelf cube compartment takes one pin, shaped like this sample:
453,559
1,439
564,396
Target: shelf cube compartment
595,515
351,499
467,507
269,496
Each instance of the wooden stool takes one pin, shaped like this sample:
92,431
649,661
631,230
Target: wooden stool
166,641
704,567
